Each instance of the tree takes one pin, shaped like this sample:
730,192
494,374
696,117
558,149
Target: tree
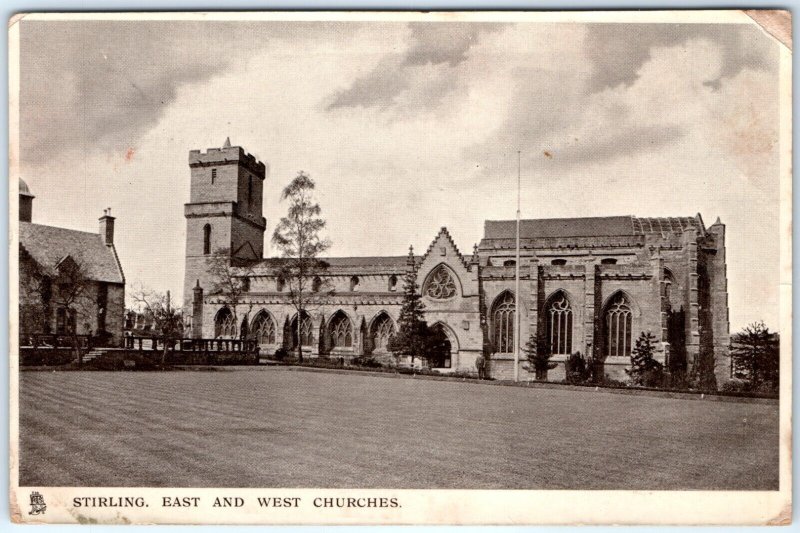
538,356
578,369
412,331
645,370
165,316
297,236
230,281
73,296
35,296
755,355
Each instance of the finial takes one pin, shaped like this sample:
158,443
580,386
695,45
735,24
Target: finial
197,285
411,249
109,211
227,142
475,248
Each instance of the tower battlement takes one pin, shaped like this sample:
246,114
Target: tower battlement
227,155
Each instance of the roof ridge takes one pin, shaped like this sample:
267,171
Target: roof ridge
64,229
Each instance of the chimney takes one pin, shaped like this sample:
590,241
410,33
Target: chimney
107,227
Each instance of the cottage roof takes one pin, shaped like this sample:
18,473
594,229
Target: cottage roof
48,245
617,226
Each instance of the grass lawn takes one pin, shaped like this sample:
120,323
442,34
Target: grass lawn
282,428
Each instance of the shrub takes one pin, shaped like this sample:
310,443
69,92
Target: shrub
367,361
577,369
539,357
280,354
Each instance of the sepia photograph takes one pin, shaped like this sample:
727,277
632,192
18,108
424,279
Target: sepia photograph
400,268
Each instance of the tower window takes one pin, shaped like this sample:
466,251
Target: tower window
213,175
250,191
207,239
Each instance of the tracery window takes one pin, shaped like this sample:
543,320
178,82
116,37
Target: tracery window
559,325
440,285
618,322
263,329
503,323
306,331
341,331
383,330
224,325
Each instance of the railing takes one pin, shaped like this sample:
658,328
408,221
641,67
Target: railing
40,340
191,345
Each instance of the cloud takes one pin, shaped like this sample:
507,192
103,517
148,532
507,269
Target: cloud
618,51
98,86
425,68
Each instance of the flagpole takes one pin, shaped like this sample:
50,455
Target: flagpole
516,283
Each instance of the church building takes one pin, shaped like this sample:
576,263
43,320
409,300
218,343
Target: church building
588,285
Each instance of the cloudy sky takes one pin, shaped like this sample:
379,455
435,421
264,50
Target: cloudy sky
408,127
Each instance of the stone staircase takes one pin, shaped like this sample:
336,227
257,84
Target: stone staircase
93,354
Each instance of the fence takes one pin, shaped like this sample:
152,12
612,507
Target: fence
56,341
191,345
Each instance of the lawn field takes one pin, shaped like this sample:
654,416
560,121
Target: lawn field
278,427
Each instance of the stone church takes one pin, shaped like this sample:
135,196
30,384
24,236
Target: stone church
588,285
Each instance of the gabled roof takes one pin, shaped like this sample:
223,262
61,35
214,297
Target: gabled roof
49,245
588,227
446,234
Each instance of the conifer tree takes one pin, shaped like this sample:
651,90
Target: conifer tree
645,370
411,336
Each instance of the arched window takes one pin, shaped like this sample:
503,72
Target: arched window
224,326
382,330
559,324
558,262
316,284
510,263
306,331
280,283
207,239
392,282
353,283
608,261
618,322
440,284
503,323
340,331
669,281
263,329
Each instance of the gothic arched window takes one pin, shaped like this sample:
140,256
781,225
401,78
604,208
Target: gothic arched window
392,282
559,325
440,284
341,331
383,329
316,284
224,325
618,322
207,239
669,281
263,329
306,331
503,323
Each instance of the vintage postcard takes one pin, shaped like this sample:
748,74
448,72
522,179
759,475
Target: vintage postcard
401,268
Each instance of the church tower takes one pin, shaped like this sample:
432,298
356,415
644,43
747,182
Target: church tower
224,212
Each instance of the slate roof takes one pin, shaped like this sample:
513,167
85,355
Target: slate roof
588,227
364,264
48,245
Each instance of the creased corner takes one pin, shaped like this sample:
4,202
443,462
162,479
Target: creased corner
16,18
784,518
776,22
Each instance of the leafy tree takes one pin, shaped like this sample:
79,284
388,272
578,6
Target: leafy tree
412,332
755,356
161,311
230,281
538,356
297,236
645,370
